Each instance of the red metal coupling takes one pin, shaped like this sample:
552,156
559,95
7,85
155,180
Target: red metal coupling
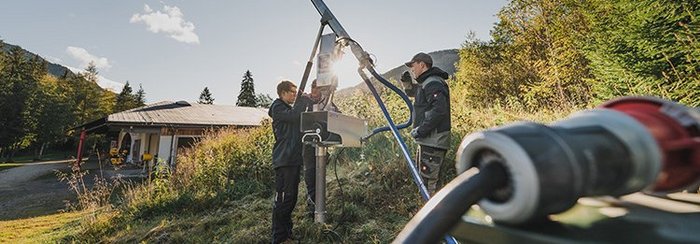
676,129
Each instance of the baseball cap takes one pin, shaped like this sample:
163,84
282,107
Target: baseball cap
425,58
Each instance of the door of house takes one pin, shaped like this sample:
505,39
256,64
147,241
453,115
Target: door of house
136,152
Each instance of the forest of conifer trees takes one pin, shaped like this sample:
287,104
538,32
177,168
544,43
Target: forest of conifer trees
38,110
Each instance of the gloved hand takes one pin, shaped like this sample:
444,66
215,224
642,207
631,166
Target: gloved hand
414,133
406,80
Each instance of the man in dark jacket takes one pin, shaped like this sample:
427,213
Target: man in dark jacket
431,121
286,157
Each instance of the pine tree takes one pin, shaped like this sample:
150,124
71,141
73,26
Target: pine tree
140,98
16,92
88,95
246,98
125,99
91,72
205,97
263,100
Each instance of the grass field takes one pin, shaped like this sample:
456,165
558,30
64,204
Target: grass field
44,229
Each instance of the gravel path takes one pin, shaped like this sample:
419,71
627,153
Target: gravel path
34,189
29,172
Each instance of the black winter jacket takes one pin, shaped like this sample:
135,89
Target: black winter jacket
431,105
287,129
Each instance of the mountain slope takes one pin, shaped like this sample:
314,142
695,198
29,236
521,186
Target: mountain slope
444,59
58,70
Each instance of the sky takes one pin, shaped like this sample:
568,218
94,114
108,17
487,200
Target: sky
175,48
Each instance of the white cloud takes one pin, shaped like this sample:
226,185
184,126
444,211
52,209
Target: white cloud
102,81
170,22
85,58
54,59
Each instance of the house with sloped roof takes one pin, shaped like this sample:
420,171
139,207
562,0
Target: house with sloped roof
158,130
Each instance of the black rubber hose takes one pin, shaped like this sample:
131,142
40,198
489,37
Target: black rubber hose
442,212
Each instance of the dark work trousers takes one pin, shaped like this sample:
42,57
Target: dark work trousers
429,160
286,191
309,155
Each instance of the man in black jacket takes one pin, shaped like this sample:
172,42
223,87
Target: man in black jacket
431,121
286,157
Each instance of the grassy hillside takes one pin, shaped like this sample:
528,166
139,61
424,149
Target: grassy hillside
44,229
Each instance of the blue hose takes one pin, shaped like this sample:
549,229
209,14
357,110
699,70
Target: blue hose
404,149
400,93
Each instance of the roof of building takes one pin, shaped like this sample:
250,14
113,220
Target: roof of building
183,113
